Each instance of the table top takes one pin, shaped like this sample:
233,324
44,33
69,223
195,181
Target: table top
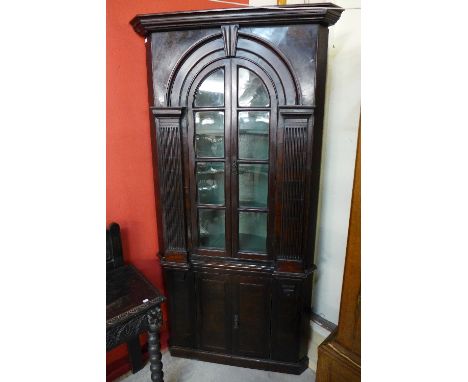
126,289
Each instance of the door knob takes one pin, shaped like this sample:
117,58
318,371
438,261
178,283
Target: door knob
236,321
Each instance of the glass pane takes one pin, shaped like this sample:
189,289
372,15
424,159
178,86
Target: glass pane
209,134
252,90
211,228
253,185
210,182
253,134
211,90
252,231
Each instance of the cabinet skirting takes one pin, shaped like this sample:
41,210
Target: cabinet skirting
235,360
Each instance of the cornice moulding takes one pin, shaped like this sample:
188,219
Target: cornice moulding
321,13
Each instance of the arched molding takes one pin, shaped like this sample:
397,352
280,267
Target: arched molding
249,47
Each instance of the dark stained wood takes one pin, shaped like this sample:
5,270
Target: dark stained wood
168,133
315,145
135,354
154,148
132,307
293,187
323,13
114,254
339,357
126,289
154,344
227,305
252,303
230,39
230,266
214,315
176,257
290,266
181,306
236,360
286,315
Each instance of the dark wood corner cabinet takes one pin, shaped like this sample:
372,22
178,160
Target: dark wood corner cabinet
237,98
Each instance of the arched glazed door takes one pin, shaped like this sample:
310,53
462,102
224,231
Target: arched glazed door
232,112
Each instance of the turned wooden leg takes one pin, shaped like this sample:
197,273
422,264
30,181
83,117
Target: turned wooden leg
154,345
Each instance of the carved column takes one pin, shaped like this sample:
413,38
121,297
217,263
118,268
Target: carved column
170,178
293,187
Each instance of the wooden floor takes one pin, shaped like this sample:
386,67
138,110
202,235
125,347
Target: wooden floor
186,370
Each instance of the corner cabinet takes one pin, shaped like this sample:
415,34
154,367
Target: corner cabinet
237,98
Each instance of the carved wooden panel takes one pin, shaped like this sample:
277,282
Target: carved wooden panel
294,140
230,39
168,134
122,333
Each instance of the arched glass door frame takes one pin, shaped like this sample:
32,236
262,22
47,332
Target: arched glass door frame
233,163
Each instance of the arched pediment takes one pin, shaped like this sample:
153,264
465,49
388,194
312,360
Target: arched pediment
231,43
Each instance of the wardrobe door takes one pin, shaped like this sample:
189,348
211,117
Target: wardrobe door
251,318
213,312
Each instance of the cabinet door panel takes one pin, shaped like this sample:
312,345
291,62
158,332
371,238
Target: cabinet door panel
251,319
286,320
214,313
180,287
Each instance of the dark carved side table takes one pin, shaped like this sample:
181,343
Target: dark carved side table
133,306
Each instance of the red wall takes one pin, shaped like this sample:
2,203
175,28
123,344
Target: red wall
130,190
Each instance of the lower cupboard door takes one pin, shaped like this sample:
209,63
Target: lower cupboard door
251,316
213,312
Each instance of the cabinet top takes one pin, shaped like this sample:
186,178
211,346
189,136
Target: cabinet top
319,13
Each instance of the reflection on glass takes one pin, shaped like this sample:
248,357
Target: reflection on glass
211,90
210,182
253,134
211,228
209,134
252,231
276,35
253,185
252,90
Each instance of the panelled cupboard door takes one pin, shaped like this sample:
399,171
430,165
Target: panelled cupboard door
251,326
213,312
